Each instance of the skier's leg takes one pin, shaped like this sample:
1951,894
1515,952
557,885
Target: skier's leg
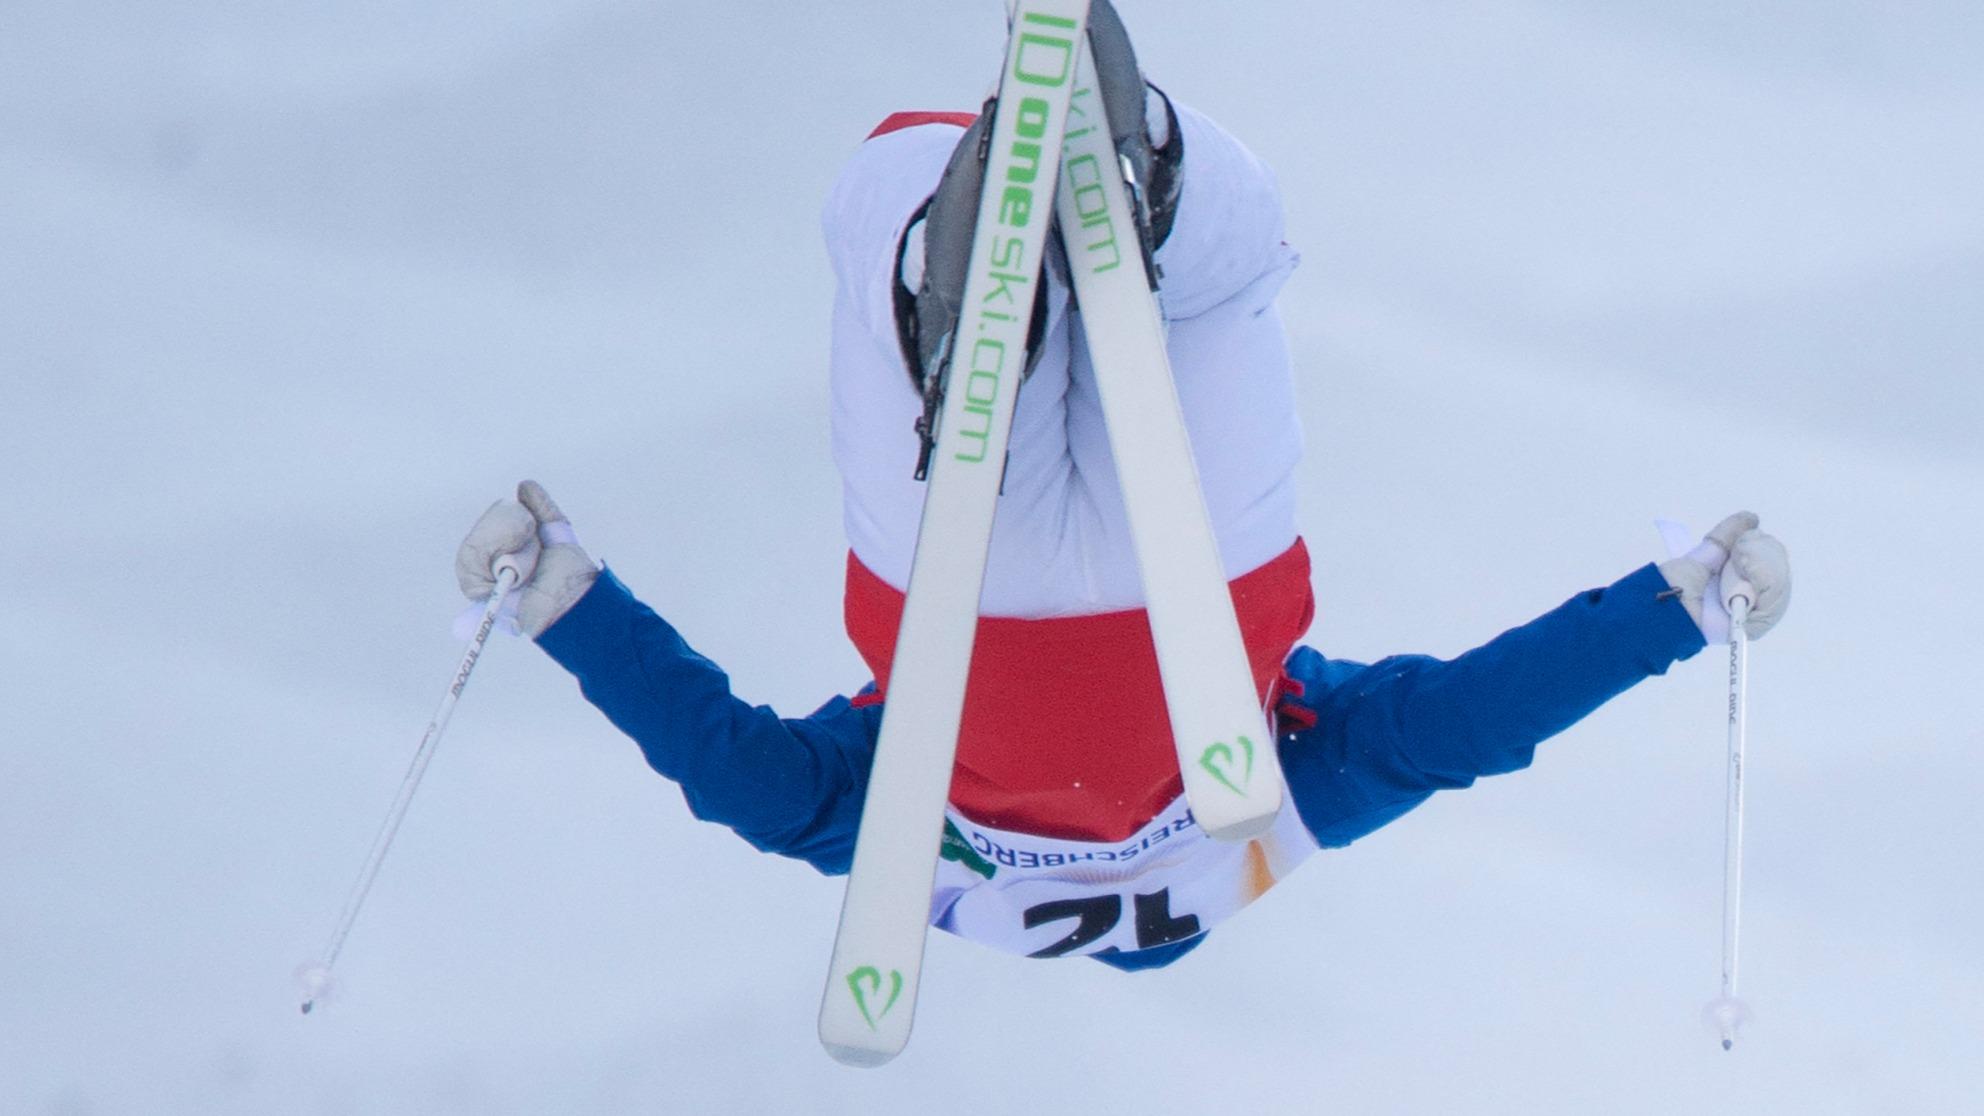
1234,386
1223,266
877,240
1215,219
1060,546
874,406
1228,232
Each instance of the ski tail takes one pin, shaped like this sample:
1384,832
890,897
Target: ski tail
1226,751
872,984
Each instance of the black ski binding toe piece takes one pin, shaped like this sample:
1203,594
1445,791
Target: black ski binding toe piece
927,318
1153,171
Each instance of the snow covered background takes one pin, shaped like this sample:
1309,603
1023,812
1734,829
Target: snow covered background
289,293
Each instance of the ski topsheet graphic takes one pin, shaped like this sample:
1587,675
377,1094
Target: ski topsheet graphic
1050,152
870,997
1225,751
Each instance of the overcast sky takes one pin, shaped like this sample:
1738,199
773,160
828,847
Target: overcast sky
289,293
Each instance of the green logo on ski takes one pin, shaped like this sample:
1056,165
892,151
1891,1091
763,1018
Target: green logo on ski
866,982
1088,181
1007,246
1219,762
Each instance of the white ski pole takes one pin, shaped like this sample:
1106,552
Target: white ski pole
1726,1012
315,979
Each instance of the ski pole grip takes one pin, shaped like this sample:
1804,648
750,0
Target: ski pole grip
509,572
1735,589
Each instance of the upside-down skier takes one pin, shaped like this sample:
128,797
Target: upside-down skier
1066,830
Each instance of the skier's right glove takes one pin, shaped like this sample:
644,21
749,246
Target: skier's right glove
556,571
1734,548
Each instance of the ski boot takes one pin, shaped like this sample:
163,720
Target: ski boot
935,251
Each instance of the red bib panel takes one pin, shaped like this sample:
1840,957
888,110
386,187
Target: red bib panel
1065,731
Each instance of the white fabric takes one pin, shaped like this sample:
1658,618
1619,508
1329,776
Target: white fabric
558,532
1733,547
554,570
1170,865
470,617
1061,544
1762,561
506,529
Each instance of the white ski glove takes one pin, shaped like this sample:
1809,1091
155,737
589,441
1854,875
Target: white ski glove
556,571
1734,549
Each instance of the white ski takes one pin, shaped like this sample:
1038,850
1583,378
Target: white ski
870,998
1225,750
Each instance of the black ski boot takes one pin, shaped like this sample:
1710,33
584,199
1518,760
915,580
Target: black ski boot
927,317
1154,155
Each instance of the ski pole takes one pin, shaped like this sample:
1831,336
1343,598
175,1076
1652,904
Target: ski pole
1726,1012
315,979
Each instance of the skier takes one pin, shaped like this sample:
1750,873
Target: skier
1066,831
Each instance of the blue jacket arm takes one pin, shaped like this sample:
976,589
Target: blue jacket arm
1389,734
788,786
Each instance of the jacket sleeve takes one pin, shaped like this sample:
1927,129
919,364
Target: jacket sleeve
788,786
1389,734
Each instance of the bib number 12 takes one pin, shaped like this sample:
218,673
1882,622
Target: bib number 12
1096,915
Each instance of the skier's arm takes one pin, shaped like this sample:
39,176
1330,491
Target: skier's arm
1390,733
793,787
788,786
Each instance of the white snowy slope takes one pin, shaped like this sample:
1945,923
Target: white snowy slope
1568,267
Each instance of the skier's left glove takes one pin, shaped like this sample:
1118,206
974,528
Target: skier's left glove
1735,548
556,571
